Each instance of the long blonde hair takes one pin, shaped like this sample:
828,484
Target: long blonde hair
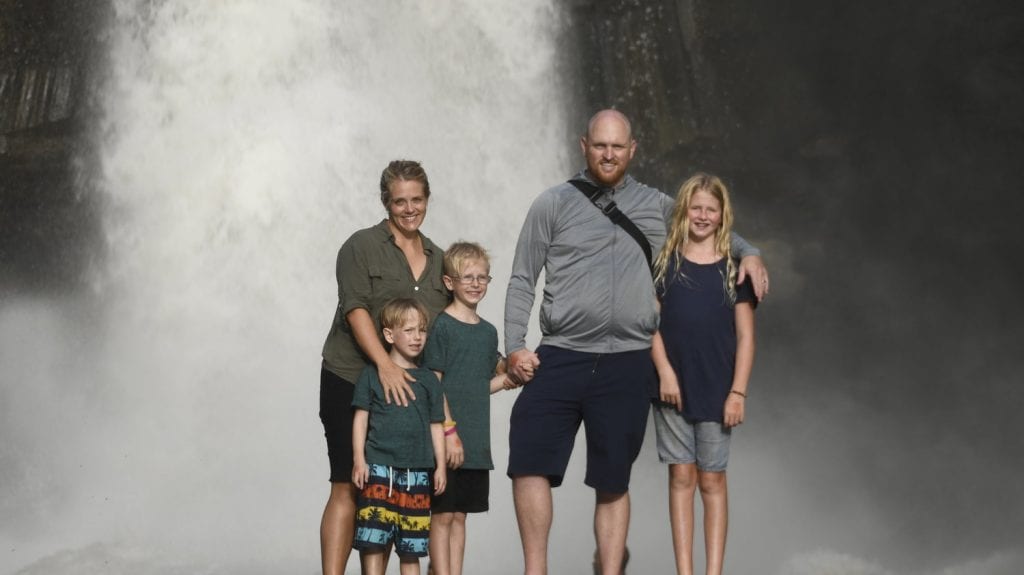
678,230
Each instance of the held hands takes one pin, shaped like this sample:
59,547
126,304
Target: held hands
734,409
395,381
522,364
753,267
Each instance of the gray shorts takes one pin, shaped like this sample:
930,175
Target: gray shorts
705,443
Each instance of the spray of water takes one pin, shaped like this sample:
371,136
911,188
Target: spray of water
241,144
165,421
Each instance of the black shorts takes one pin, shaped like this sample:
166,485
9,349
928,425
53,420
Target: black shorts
468,491
336,415
607,393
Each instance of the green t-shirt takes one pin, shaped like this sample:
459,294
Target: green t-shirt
466,355
371,271
400,436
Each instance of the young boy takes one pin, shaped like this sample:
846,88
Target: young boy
395,447
463,351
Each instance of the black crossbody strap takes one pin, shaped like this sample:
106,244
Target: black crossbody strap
613,212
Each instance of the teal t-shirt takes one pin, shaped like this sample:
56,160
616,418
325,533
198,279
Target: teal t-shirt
400,436
466,355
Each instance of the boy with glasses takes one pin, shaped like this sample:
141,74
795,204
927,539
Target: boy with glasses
463,351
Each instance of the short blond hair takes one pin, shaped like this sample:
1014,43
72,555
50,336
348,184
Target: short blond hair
393,313
457,254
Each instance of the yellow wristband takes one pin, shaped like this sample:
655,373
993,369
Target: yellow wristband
449,424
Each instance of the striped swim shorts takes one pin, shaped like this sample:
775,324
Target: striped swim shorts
394,507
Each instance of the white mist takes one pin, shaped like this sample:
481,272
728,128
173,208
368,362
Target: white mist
242,142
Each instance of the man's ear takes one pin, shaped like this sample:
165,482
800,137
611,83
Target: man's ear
389,335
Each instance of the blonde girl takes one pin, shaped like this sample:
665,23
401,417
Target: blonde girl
703,351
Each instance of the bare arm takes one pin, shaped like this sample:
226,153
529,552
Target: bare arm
669,391
440,473
500,382
455,455
393,379
521,365
360,470
735,404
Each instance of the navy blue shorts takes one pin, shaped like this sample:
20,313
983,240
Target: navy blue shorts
608,393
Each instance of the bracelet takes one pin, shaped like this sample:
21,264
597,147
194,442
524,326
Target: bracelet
449,424
450,431
739,393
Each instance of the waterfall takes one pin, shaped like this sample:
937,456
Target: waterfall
241,143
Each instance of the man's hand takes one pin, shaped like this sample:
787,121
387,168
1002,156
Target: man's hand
522,364
395,382
753,267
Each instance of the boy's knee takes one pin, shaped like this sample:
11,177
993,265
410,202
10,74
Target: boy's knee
442,520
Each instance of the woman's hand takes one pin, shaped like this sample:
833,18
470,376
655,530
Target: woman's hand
395,381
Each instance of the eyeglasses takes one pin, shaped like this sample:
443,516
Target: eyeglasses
468,280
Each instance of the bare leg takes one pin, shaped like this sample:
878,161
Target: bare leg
458,543
715,495
373,562
611,525
440,546
532,495
337,527
682,482
408,566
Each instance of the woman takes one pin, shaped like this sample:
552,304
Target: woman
389,260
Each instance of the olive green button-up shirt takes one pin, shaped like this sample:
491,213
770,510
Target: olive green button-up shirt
372,270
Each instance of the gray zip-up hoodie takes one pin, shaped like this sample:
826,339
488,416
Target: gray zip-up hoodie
598,292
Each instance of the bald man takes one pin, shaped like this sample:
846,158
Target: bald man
593,365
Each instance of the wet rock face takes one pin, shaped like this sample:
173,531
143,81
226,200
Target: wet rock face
48,223
650,59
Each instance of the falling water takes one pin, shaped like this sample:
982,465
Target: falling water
241,143
164,420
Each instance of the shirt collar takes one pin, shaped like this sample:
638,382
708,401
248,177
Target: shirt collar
386,236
